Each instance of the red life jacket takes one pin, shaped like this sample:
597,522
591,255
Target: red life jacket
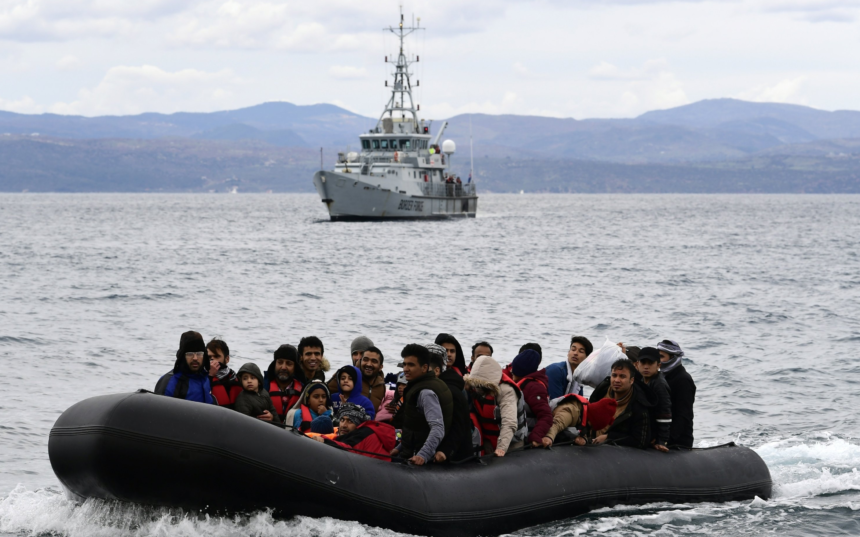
285,400
526,380
224,396
565,398
305,425
484,419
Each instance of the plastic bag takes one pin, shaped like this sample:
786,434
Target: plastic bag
598,365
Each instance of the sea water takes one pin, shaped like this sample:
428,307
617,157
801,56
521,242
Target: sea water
760,291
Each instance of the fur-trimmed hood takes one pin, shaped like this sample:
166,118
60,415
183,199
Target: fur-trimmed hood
486,374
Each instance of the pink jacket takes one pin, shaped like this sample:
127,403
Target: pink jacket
383,414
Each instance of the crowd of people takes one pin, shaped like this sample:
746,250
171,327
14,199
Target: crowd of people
435,408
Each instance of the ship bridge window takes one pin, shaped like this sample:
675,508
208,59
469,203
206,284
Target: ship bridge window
405,144
365,144
376,144
383,144
393,144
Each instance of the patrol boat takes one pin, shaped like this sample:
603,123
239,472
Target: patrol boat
401,172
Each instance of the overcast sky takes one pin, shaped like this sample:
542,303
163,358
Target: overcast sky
565,58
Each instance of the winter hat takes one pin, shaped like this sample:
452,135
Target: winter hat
401,379
438,356
355,413
649,354
525,363
322,425
287,352
633,353
191,344
252,369
360,344
671,347
601,413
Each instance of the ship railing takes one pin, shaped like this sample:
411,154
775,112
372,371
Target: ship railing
448,190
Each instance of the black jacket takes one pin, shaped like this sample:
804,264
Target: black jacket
415,427
683,396
662,423
457,444
633,427
253,404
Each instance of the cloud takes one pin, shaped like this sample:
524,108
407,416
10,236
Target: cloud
816,10
639,89
785,91
346,72
68,63
133,90
24,105
650,69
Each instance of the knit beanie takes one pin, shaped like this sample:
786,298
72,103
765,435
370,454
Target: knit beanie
322,425
287,352
525,363
438,356
354,412
601,413
649,354
360,344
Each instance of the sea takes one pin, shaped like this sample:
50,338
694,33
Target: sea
761,291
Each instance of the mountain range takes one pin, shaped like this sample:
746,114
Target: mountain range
720,145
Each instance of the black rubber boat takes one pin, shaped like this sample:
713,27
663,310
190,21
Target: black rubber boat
160,451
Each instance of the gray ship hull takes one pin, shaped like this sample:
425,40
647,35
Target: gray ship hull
351,197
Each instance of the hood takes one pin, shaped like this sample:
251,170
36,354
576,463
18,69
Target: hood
460,360
315,384
452,379
352,369
192,345
384,432
252,369
486,374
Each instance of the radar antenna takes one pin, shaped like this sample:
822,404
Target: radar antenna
401,103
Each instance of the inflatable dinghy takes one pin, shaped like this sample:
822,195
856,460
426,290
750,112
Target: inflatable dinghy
160,451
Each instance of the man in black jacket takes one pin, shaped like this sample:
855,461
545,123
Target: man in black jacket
683,393
457,444
632,425
648,364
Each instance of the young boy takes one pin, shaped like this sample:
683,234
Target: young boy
358,434
349,390
575,410
254,400
649,367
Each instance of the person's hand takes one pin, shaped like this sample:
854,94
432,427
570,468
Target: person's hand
440,457
343,398
623,348
213,368
500,452
417,460
265,416
321,409
394,452
319,439
579,441
536,444
546,442
600,439
391,408
661,447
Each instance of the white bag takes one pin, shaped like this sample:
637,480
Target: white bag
598,365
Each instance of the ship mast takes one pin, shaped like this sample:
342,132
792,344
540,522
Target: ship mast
401,104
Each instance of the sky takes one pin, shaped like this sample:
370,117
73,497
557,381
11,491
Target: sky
560,58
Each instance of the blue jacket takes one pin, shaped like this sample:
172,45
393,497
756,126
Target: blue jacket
557,375
355,396
297,418
195,386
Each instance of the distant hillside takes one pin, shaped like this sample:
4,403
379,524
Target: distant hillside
721,145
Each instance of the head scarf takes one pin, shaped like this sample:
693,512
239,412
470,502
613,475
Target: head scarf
439,352
355,413
674,350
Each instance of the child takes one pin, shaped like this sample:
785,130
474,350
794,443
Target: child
358,434
349,390
254,400
649,367
575,410
312,412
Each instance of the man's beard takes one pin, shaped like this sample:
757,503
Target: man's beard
283,377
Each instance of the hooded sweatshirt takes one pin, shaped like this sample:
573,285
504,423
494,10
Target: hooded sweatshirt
487,374
460,361
538,413
457,443
354,396
255,403
186,384
294,416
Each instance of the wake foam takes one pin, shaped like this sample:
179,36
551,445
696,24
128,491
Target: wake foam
48,511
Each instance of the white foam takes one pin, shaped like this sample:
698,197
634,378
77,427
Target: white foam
49,511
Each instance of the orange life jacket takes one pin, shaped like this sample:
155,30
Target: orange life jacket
583,401
307,418
284,400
